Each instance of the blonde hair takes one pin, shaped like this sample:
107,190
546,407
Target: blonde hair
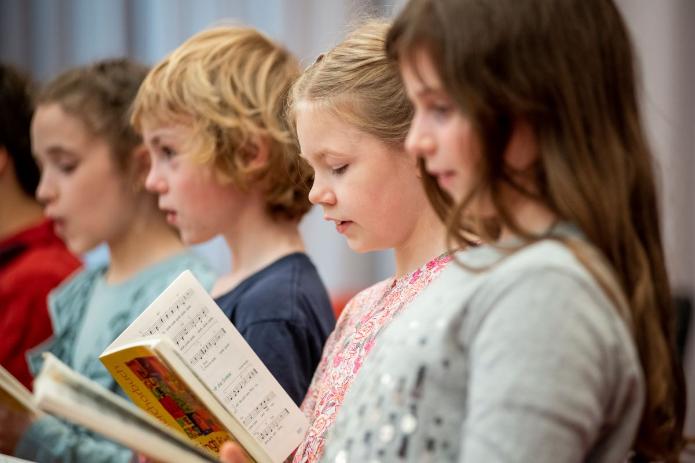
231,85
358,83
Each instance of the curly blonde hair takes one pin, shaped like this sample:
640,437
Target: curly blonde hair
231,84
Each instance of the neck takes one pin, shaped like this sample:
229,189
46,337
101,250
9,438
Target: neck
147,241
531,216
18,211
427,241
255,241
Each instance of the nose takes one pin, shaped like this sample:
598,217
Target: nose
419,142
321,194
154,182
45,190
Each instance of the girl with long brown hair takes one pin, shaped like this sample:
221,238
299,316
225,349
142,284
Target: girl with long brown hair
555,341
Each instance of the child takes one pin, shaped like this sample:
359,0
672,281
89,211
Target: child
93,168
352,115
224,162
33,260
554,343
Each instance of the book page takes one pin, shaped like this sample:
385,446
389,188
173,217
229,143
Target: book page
14,395
8,459
218,354
63,392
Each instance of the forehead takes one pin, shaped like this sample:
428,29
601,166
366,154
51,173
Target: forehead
320,128
53,128
155,130
419,72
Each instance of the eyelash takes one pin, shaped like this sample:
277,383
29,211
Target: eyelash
67,168
339,170
167,152
440,110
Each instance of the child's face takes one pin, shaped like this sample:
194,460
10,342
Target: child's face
194,200
83,190
369,190
440,132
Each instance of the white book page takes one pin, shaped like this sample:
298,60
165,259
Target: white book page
219,355
8,459
63,392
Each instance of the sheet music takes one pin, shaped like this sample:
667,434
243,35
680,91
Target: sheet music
220,356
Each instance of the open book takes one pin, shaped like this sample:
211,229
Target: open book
63,392
14,395
183,362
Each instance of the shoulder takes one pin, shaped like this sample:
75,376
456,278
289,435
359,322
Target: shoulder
543,293
149,283
186,260
43,266
364,299
282,292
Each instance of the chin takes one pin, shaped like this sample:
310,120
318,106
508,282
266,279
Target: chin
362,248
190,239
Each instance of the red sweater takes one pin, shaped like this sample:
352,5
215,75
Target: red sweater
32,262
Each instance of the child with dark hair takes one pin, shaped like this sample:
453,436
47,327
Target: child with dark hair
33,260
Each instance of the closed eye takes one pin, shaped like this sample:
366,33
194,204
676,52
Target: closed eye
339,170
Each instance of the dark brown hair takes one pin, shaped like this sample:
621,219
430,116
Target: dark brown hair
566,67
100,95
16,110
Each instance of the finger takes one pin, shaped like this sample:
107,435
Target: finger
232,453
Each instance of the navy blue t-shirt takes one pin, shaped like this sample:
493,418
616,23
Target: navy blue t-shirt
284,313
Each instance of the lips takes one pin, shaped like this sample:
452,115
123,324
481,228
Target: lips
170,216
58,225
340,225
443,177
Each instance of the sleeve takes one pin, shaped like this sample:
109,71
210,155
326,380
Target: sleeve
26,325
50,440
282,347
540,372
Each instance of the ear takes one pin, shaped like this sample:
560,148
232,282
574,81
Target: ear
257,152
140,167
522,150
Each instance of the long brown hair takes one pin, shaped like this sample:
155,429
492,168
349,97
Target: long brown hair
566,67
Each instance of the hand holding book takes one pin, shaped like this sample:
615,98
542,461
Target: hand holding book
232,453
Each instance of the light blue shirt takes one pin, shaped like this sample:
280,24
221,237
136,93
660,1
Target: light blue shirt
87,315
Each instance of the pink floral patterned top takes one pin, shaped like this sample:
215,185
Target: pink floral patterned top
359,325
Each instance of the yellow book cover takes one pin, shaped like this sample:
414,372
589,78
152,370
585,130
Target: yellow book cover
157,389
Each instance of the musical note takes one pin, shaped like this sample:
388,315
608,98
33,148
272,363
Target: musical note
212,342
243,381
190,326
181,304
